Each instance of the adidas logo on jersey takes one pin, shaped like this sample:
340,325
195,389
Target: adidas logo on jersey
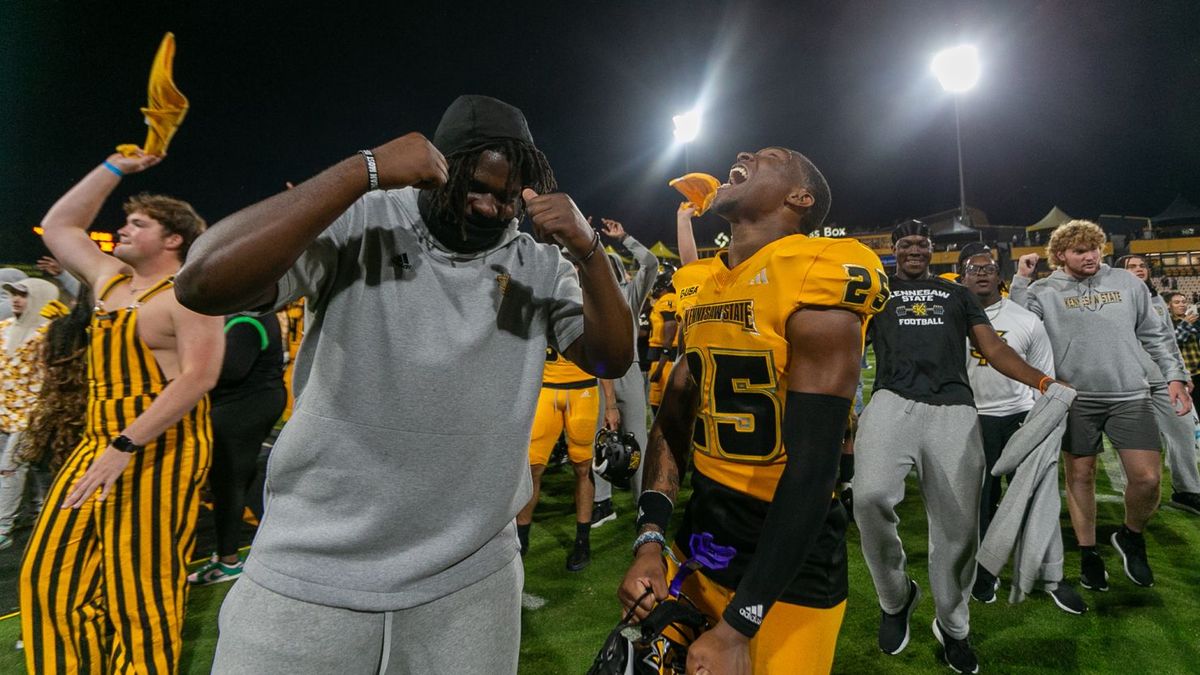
753,614
760,278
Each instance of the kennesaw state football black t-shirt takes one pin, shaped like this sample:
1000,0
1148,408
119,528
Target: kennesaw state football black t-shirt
920,341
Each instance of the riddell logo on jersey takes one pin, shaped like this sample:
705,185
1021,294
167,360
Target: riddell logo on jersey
753,614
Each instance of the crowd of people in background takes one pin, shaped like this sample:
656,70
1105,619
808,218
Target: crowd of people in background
136,386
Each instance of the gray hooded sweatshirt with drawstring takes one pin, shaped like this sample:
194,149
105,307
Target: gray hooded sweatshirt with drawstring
1098,327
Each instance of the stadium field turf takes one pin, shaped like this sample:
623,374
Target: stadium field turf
1127,631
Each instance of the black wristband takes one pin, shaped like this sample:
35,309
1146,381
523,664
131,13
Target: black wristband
654,508
124,444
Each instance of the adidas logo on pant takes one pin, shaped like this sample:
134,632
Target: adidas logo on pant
754,614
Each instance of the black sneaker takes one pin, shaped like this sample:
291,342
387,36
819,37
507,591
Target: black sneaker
1187,501
985,586
893,628
1092,574
1132,548
958,653
602,512
581,557
1067,599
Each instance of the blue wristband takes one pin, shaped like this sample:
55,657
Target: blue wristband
113,168
647,537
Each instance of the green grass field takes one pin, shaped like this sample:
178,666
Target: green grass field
1128,631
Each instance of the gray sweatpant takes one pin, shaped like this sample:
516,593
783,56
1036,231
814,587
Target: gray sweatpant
631,401
474,630
942,442
1179,435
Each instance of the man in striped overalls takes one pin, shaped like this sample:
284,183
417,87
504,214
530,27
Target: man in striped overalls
103,580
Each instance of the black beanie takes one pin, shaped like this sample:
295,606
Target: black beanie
472,121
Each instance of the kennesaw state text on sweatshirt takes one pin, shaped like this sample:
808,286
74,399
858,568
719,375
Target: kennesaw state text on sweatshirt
1097,327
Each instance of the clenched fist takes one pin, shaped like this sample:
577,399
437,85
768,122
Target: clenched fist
1027,263
556,218
410,160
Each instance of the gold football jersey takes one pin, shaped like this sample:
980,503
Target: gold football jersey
561,370
665,305
734,324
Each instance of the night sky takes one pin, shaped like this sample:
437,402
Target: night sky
1092,106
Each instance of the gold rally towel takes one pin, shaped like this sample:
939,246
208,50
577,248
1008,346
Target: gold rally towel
165,105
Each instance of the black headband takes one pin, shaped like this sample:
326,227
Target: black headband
973,249
909,228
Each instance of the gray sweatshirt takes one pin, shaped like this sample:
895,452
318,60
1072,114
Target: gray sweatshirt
639,287
397,478
1098,327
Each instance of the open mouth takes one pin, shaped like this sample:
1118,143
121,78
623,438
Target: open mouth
738,174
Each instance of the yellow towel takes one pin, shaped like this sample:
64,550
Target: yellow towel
165,106
54,309
699,188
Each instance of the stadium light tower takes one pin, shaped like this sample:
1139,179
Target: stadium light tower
957,69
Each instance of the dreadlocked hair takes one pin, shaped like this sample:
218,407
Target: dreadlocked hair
527,167
57,419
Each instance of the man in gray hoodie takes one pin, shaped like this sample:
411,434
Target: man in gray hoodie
1099,320
1178,432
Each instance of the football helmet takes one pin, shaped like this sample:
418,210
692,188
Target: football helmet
656,646
616,455
662,283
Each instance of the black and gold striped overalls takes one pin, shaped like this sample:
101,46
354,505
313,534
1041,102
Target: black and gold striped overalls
103,587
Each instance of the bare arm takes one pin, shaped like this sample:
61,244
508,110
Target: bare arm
684,237
65,225
669,447
606,347
201,344
1002,357
235,264
665,459
670,327
611,414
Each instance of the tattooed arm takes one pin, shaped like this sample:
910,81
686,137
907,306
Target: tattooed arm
666,460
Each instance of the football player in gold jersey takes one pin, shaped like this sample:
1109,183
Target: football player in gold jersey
773,337
569,402
663,338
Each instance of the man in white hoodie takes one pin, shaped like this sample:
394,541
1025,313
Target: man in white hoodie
1099,320
21,338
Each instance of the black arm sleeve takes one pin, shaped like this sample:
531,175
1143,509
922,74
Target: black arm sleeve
813,425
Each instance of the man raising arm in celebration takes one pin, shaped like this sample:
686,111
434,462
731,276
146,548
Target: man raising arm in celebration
773,337
103,581
393,488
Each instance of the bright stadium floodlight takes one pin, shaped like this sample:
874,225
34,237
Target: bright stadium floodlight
687,126
957,68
